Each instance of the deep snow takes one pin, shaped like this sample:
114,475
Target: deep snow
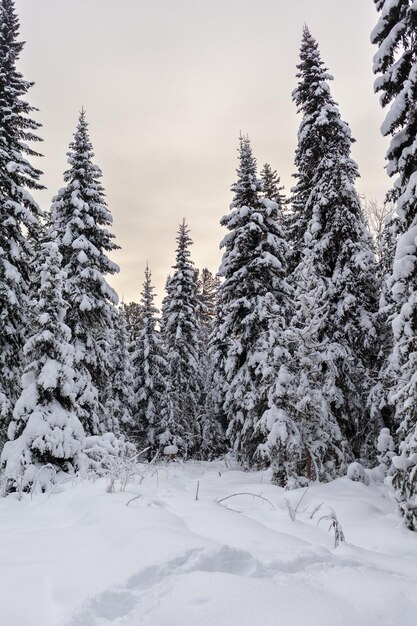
80,557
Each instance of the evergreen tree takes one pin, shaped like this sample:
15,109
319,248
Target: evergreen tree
207,286
181,334
119,402
218,345
272,189
396,64
80,218
151,426
381,409
45,427
330,237
133,314
213,442
321,451
312,98
19,213
253,305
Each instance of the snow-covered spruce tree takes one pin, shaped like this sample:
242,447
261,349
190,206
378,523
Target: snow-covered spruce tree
329,232
272,189
19,213
80,219
151,415
181,336
119,400
253,304
314,376
396,63
45,427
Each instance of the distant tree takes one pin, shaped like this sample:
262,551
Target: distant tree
379,215
181,336
207,286
80,219
19,213
330,237
133,314
213,442
396,63
119,400
272,189
151,424
382,410
45,427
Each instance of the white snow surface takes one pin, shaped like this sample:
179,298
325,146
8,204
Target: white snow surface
80,556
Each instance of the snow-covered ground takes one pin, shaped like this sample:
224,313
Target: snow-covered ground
81,557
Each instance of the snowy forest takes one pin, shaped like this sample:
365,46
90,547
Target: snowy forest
298,358
298,355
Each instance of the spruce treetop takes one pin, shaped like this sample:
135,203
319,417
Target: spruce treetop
321,132
247,185
149,310
80,216
312,91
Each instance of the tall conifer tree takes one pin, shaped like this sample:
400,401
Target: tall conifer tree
151,414
19,213
80,219
253,307
181,334
329,236
396,63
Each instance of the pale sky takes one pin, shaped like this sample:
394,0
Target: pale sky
168,85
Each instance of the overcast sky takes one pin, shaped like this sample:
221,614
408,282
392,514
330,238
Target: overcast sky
168,85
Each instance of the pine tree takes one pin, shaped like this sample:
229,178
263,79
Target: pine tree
330,236
19,213
253,306
45,427
181,335
396,64
151,425
80,218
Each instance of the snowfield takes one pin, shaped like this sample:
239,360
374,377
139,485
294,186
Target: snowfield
81,557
